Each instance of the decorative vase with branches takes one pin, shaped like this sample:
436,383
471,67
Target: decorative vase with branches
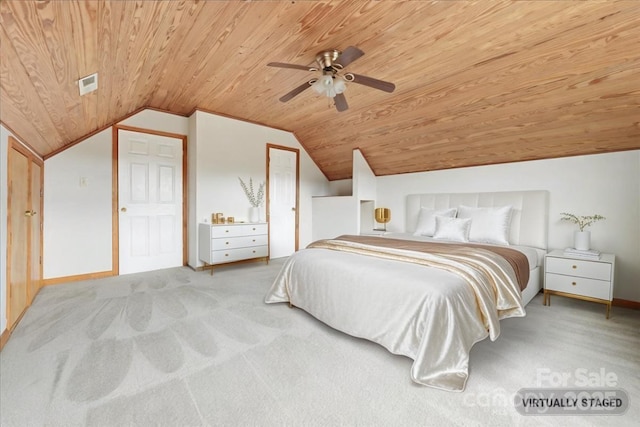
255,198
582,238
581,221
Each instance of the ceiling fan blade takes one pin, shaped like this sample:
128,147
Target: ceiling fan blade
285,65
341,102
374,83
349,55
295,92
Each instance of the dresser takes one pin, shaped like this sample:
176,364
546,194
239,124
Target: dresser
581,278
227,243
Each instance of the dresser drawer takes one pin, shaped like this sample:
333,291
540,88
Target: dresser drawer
578,285
573,267
218,231
231,255
238,242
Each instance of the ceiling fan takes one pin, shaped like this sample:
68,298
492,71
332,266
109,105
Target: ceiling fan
332,82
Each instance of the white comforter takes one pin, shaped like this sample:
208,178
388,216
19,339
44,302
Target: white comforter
429,314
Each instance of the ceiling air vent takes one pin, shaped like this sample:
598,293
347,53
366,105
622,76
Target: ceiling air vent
88,84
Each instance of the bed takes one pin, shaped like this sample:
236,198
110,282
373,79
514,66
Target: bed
427,297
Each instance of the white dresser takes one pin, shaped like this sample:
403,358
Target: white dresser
226,243
581,278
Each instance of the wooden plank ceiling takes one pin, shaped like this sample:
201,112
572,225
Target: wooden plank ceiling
477,82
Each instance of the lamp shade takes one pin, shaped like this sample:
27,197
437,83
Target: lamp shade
383,216
329,85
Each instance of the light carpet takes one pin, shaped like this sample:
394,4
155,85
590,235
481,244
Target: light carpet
182,348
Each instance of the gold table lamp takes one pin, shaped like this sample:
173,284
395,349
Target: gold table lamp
383,216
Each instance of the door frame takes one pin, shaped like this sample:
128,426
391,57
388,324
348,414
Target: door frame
14,144
115,217
297,221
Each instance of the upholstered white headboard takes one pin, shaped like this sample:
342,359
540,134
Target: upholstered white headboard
529,217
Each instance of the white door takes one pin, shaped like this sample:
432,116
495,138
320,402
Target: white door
150,202
283,202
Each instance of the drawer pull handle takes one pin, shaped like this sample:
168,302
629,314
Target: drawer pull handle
226,231
254,252
574,266
573,283
254,240
226,243
226,254
254,229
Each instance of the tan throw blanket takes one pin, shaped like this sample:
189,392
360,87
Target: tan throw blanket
516,259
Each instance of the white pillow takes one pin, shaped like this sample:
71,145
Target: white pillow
427,220
455,229
488,225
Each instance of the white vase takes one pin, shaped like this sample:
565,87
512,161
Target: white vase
254,214
582,240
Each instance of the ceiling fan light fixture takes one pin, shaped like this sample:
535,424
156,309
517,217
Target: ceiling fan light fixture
333,81
339,84
329,85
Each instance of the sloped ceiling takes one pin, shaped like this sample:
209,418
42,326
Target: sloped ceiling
477,82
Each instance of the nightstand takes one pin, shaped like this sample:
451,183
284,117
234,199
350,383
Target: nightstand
582,278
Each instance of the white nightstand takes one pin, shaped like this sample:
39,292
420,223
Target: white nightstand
581,278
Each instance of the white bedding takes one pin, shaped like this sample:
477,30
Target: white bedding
429,314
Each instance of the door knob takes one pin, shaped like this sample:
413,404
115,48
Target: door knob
123,209
29,213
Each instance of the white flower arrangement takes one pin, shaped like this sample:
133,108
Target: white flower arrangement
582,221
254,199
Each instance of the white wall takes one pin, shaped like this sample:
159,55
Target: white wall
226,149
343,211
342,187
364,189
77,219
158,120
364,180
606,184
334,216
77,209
77,224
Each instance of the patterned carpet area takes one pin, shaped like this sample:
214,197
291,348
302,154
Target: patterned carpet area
182,348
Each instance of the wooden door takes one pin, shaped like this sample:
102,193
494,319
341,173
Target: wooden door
24,247
35,232
282,200
150,198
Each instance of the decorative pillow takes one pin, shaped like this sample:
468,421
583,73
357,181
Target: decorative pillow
427,220
488,225
455,229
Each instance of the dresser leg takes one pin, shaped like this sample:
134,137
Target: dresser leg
608,308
